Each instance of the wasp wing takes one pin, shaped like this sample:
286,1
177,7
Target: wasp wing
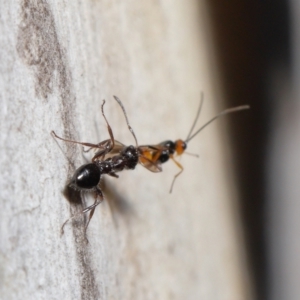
148,158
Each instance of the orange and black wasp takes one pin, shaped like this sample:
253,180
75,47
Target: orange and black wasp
162,152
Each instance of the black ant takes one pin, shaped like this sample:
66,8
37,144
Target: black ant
112,157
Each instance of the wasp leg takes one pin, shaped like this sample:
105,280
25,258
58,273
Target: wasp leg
179,166
75,142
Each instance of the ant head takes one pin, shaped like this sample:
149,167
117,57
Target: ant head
86,177
180,146
131,155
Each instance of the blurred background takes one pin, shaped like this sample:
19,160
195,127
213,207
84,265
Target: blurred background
257,44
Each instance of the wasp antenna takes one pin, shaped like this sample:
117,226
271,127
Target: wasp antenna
197,115
223,113
129,127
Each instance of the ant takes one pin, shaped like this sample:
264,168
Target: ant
87,177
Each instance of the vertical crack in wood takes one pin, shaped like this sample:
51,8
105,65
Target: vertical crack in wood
38,46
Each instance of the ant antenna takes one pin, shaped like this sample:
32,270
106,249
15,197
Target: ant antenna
129,127
110,132
223,113
197,115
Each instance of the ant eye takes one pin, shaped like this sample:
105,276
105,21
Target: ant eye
86,177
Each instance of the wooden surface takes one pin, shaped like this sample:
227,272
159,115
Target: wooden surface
59,60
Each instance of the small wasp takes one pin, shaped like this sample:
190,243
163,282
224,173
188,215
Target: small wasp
162,152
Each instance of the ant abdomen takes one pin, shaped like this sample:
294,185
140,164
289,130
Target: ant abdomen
86,177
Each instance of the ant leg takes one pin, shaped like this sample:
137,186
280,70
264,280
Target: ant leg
106,148
179,166
75,142
107,145
125,115
101,145
62,231
111,145
88,150
112,174
90,209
